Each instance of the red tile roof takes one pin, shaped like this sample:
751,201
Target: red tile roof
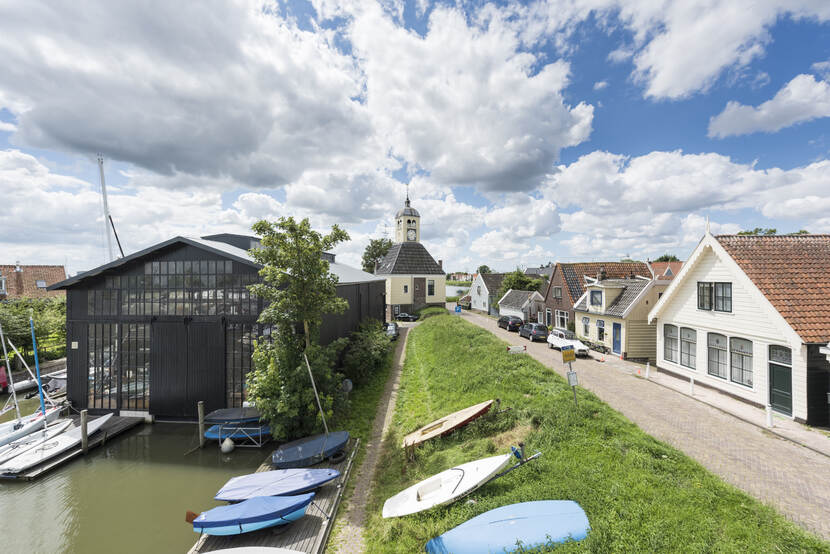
23,283
574,274
792,272
660,268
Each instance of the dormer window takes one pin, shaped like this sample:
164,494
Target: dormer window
596,298
40,283
717,296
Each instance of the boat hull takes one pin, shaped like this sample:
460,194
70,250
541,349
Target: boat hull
445,487
309,450
24,444
529,524
446,424
280,482
30,424
240,528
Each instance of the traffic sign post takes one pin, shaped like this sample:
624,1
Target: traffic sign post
458,309
568,356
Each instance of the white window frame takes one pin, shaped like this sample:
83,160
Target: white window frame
557,292
688,348
431,287
600,330
586,326
671,344
745,358
548,317
565,317
721,352
591,296
406,289
38,284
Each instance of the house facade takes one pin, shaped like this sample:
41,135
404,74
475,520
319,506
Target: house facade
567,285
484,290
414,280
613,313
30,281
157,331
748,315
524,304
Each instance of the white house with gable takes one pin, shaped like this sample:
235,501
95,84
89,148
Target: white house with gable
748,315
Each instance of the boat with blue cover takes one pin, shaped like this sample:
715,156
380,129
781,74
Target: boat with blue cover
240,424
253,514
279,482
309,450
524,526
237,432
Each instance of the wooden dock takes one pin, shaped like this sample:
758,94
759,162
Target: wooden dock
114,427
308,534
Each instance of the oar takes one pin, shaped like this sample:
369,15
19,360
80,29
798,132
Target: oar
9,370
37,368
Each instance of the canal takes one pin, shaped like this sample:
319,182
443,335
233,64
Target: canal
129,495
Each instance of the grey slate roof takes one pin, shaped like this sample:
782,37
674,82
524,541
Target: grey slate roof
515,299
493,281
408,258
633,288
544,271
574,273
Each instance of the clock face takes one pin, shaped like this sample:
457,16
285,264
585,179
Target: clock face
410,234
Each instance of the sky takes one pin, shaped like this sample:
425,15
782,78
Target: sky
548,130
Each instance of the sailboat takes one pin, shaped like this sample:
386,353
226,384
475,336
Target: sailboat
22,426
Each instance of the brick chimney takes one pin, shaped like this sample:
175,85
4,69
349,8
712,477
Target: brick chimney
441,264
18,277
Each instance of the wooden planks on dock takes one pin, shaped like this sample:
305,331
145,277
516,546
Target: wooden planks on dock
310,533
114,427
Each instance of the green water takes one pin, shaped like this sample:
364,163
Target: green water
129,495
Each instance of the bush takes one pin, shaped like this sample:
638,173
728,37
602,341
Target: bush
366,352
431,311
453,298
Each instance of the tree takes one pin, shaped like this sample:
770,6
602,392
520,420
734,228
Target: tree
298,290
759,231
48,314
667,258
484,269
375,251
517,280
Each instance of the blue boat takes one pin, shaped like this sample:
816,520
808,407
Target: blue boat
238,432
253,514
279,482
531,524
309,450
229,416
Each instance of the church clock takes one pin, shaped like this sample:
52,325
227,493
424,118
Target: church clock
410,234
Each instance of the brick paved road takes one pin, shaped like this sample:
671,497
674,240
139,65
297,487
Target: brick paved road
792,478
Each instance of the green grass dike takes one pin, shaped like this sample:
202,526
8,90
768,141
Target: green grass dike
640,494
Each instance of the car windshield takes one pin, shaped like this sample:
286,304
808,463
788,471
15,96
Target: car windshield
540,327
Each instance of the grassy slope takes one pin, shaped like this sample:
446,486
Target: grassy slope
640,494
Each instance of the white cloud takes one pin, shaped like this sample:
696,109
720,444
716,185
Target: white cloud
802,99
822,68
7,127
463,103
599,85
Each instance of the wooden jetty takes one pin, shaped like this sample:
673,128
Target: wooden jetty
115,426
308,534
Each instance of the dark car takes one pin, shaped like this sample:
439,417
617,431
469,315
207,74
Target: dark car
403,316
533,331
392,330
509,322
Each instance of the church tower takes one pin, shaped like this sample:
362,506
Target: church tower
407,223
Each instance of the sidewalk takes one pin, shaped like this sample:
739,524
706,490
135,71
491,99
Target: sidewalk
735,446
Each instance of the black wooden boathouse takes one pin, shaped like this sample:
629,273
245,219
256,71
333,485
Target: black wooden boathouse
158,330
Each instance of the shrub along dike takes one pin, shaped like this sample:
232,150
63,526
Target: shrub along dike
640,495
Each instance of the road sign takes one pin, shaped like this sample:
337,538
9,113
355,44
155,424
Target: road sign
568,354
458,309
572,380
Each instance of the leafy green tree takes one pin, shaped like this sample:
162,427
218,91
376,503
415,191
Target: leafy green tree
298,290
765,231
375,251
517,280
484,269
667,258
48,314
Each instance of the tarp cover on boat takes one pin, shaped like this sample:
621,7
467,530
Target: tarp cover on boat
233,415
254,510
237,431
275,483
309,450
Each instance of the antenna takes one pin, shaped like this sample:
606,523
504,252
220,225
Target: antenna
707,224
107,220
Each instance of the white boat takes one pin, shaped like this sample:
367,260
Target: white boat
446,487
32,440
51,448
13,430
22,386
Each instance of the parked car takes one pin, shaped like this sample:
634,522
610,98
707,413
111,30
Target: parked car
510,322
533,331
403,316
392,330
559,338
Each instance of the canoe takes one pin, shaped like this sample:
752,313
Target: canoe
446,424
309,450
51,448
445,487
531,524
238,431
252,514
280,482
32,440
10,432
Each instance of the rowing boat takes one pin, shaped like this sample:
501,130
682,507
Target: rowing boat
446,424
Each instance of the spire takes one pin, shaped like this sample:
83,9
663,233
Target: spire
407,195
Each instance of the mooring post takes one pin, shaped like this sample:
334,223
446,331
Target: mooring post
692,386
84,435
201,408
769,416
648,367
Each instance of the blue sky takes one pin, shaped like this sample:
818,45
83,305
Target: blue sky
528,132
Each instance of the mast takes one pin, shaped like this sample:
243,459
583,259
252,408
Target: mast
9,370
107,219
37,368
